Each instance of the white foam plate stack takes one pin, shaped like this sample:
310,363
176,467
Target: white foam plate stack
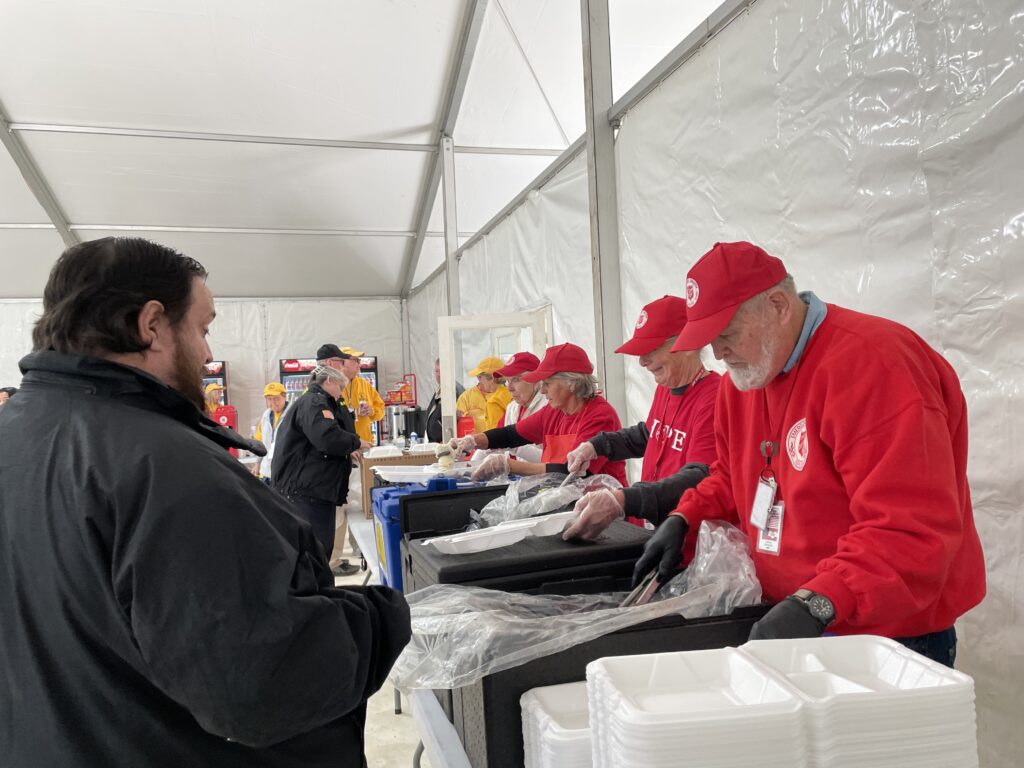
869,701
712,709
556,729
834,702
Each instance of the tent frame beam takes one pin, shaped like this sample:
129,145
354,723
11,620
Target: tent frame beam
451,236
290,141
451,103
604,209
36,183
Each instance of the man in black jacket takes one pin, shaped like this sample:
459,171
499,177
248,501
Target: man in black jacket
313,455
160,606
432,427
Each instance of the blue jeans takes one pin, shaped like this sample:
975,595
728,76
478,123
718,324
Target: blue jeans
320,515
937,646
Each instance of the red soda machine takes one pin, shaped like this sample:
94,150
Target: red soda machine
294,371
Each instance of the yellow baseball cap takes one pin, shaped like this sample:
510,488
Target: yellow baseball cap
274,388
488,365
213,386
351,351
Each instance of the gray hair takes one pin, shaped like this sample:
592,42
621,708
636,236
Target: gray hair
756,303
322,373
582,385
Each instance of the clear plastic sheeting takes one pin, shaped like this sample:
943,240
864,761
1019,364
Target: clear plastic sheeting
461,634
540,494
874,147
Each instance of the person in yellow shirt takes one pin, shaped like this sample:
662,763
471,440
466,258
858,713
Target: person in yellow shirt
486,402
266,429
359,396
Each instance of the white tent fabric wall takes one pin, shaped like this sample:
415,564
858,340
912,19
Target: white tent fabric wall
429,303
370,325
874,147
252,336
17,317
539,254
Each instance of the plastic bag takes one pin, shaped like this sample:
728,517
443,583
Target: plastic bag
461,634
541,494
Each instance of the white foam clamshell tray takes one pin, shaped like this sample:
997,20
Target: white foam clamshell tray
835,702
501,535
556,730
418,474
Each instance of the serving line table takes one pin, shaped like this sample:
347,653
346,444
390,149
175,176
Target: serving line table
438,738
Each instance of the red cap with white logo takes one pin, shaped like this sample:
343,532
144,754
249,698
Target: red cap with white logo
659,320
721,280
564,358
520,362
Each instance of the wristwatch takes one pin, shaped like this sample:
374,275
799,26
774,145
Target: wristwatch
819,606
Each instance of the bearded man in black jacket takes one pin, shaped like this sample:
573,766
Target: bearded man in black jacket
161,606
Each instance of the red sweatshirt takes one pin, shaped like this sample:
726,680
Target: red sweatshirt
597,415
681,428
871,464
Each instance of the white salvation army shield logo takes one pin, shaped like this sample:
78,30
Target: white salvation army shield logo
796,444
642,320
692,291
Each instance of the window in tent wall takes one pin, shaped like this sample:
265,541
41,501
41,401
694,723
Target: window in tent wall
463,340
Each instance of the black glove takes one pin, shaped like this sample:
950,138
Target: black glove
788,619
663,550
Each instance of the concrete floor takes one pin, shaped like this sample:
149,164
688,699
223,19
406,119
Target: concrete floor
390,739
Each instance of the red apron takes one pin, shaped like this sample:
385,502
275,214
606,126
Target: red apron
557,447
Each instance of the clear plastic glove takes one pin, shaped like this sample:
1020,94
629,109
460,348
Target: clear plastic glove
463,446
494,465
664,550
595,512
579,458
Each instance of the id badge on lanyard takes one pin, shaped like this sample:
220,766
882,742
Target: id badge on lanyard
764,496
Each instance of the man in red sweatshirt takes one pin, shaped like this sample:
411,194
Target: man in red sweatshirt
842,454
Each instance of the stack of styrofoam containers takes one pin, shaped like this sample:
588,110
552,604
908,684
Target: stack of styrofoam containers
713,709
556,731
834,702
869,701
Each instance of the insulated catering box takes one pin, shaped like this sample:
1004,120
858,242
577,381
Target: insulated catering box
487,714
546,565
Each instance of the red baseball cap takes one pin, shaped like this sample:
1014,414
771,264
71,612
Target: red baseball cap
565,358
721,280
520,362
659,320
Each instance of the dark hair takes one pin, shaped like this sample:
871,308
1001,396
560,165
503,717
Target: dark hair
9,390
96,290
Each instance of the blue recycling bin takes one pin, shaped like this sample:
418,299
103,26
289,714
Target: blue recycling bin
385,504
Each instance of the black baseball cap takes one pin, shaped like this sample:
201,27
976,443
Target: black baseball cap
327,351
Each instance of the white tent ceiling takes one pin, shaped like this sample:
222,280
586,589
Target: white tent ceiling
236,130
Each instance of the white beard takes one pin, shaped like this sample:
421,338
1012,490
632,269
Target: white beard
755,375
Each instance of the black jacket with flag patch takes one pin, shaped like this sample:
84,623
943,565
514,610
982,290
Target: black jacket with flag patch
313,452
